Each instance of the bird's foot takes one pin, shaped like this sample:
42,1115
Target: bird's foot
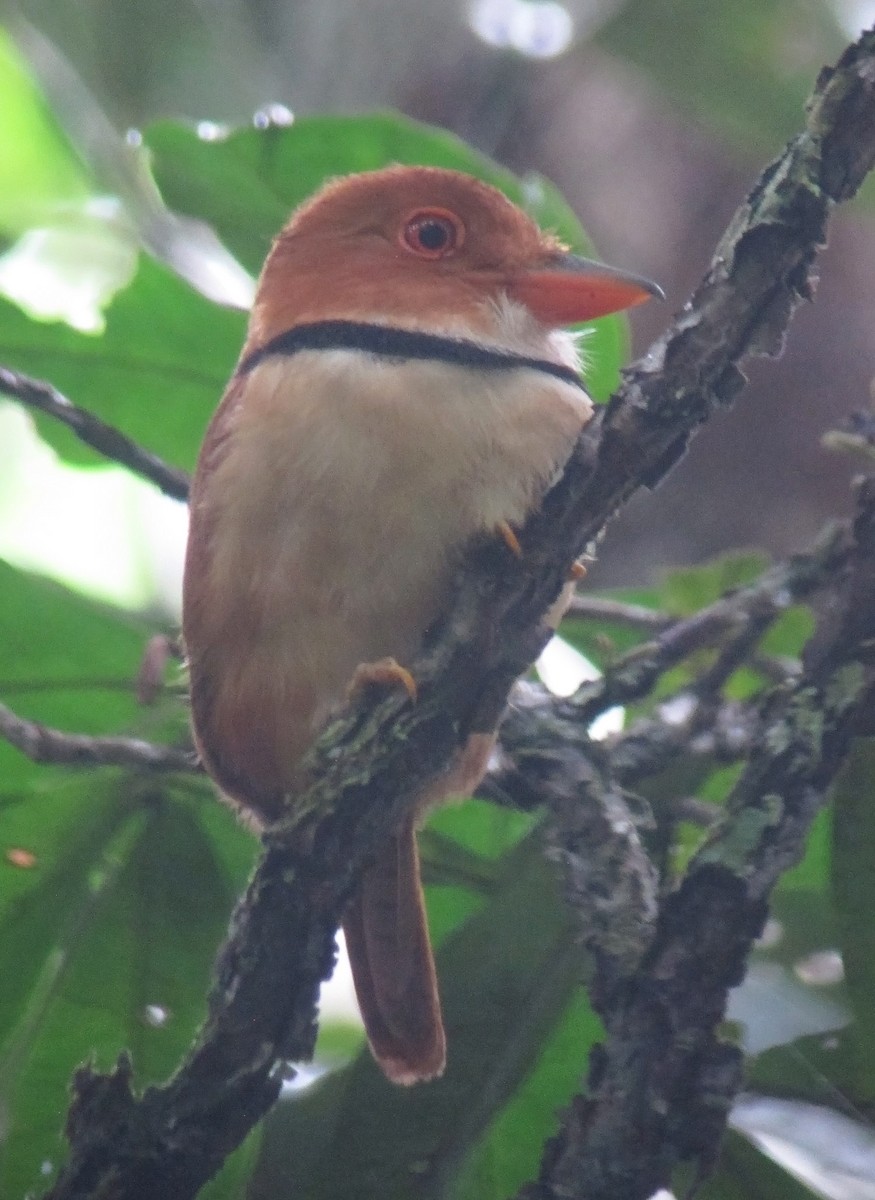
386,672
577,571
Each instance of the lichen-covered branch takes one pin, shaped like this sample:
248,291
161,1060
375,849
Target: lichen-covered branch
372,763
661,1087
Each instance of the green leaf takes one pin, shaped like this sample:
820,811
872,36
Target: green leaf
790,632
66,662
246,184
484,830
156,373
745,1173
114,889
511,1150
812,873
39,170
818,1068
463,849
40,934
69,663
687,590
110,949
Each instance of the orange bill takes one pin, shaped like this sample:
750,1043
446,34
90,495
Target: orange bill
572,289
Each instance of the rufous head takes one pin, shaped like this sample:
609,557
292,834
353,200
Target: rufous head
423,247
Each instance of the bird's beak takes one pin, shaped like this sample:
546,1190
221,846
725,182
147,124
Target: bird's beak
569,289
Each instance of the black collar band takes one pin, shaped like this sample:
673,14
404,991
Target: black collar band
387,342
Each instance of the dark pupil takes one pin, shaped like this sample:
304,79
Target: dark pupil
432,235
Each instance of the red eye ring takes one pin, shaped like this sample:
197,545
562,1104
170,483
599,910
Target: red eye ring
432,233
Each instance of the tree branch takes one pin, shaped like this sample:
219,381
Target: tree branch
373,762
744,614
44,745
661,1088
42,397
596,608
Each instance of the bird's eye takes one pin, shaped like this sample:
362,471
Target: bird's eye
433,233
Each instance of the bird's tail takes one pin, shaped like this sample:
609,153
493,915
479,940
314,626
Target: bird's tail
393,966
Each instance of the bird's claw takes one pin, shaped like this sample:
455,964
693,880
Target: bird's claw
510,539
386,672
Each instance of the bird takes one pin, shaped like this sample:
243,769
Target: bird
406,383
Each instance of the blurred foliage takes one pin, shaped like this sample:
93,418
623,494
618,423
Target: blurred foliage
743,68
156,371
35,154
115,888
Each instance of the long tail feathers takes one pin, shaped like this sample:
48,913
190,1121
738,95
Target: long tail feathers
393,966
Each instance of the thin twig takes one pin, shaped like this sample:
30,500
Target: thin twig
617,612
632,676
44,745
736,651
108,441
